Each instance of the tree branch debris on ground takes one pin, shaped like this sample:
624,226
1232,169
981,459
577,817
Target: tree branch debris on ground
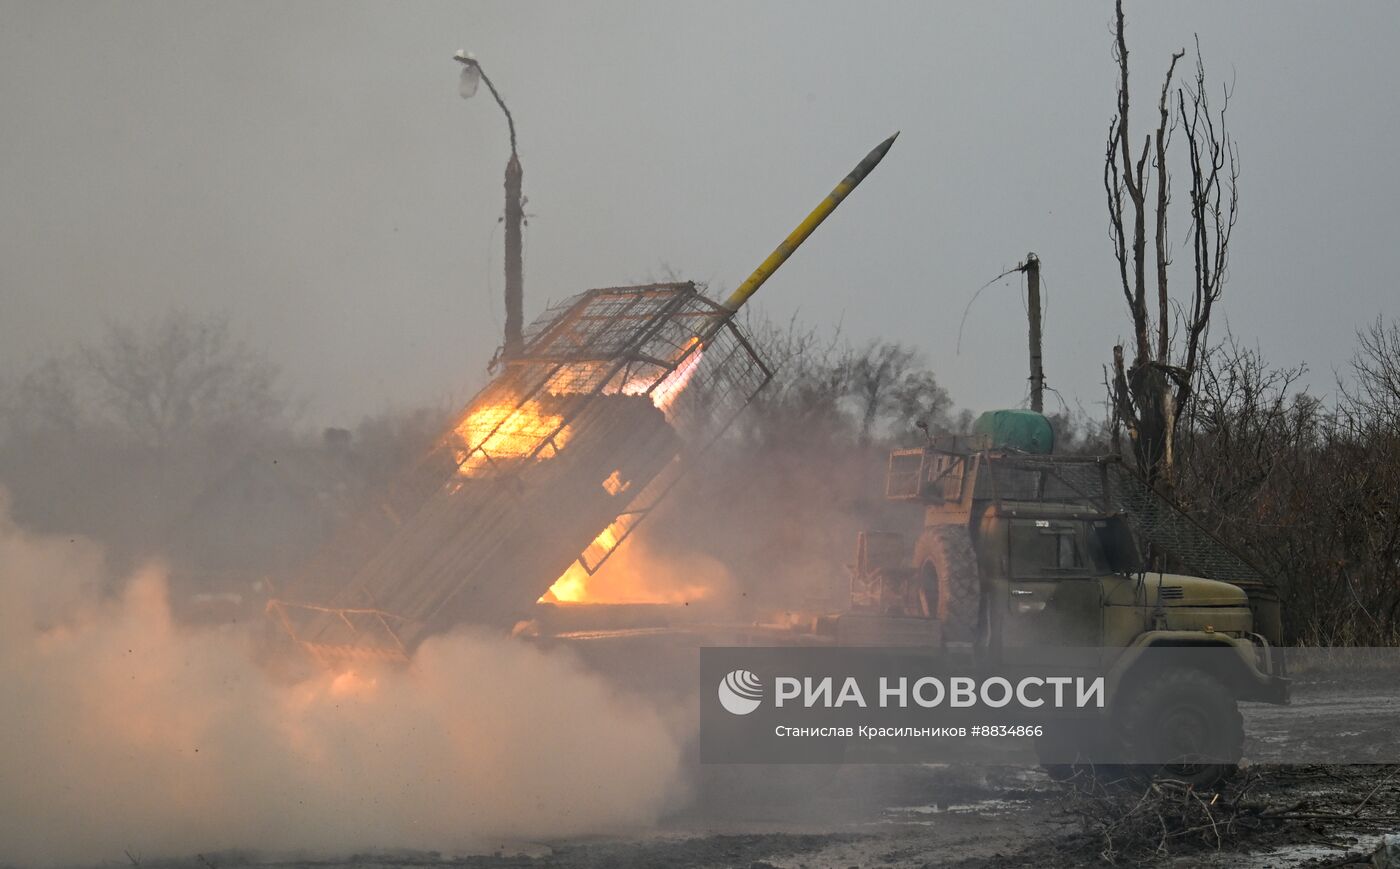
1126,822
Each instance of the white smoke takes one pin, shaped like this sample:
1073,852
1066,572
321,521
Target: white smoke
121,730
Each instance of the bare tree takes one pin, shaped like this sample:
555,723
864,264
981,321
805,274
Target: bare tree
183,376
824,391
1374,392
1307,488
889,382
803,401
1149,395
43,402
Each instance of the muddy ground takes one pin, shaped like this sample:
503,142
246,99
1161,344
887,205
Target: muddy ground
960,818
971,817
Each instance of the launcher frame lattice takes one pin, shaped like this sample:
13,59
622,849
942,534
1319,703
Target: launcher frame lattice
598,372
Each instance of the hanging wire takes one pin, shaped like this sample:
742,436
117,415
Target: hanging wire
970,302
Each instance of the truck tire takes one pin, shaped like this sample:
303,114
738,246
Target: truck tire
1187,722
949,564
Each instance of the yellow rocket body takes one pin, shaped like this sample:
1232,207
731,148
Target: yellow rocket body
780,254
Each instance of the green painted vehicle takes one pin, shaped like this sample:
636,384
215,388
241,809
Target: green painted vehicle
1020,548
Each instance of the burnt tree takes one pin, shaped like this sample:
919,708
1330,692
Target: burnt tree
1149,394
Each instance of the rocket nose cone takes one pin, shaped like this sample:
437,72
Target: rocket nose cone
884,147
871,160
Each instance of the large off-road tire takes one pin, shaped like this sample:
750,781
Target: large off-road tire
1187,722
948,566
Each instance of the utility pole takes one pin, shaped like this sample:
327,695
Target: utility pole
515,211
1032,270
515,282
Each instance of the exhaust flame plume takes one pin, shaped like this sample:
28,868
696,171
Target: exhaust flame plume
504,431
576,585
668,390
572,586
637,574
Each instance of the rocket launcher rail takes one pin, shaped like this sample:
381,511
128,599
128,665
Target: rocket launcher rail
555,462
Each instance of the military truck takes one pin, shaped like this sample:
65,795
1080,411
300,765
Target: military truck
1023,548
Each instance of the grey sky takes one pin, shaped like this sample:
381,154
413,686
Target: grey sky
309,169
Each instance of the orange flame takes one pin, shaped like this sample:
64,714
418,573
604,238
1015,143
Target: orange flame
572,584
633,576
623,583
668,390
505,431
629,577
350,683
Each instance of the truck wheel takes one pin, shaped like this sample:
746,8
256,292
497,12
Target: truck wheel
950,562
1187,723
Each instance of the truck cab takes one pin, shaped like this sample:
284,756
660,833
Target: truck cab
1022,548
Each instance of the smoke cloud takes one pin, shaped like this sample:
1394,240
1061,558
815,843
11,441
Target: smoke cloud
126,731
